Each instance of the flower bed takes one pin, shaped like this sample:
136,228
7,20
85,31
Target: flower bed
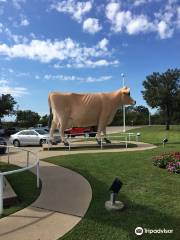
170,161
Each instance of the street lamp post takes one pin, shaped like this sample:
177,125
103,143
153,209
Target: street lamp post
124,108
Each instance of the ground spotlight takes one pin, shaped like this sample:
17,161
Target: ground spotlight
113,204
137,136
165,140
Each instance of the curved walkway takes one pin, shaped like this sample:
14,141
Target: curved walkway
64,199
141,146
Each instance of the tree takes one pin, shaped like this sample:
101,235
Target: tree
44,120
162,91
27,118
7,104
135,115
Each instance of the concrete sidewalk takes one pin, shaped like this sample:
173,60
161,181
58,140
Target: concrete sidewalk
64,199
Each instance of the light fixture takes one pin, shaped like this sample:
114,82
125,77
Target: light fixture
165,140
137,136
113,204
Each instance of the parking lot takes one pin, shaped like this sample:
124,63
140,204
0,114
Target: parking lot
110,129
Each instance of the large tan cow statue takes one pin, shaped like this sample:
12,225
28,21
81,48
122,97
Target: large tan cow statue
85,110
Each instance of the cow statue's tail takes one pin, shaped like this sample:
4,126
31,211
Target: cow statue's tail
50,114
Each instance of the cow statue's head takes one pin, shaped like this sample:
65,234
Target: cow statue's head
126,97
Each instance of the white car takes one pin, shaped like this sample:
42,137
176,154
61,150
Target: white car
29,137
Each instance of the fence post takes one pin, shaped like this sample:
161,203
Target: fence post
126,142
101,143
8,154
37,174
27,158
1,194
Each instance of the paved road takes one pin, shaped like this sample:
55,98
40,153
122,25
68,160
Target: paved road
117,129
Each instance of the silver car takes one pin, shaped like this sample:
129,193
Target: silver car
29,137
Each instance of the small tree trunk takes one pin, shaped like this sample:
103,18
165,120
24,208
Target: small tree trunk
168,121
167,126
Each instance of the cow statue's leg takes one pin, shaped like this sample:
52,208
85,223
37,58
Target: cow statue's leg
105,138
53,127
102,127
98,135
62,128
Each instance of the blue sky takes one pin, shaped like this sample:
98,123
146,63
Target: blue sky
84,46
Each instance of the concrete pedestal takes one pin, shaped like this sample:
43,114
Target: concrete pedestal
117,206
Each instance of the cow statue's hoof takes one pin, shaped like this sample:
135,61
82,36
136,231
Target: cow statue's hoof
107,140
66,144
98,141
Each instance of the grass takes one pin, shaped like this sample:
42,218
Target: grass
24,184
151,194
155,135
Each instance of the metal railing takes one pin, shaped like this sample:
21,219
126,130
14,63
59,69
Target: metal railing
27,167
127,137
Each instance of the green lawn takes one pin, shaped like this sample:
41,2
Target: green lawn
24,184
151,194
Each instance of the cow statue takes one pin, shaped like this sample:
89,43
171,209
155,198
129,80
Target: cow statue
85,110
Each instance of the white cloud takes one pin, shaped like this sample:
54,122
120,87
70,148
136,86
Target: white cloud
126,21
139,2
91,25
10,70
76,78
103,43
101,63
37,77
74,8
18,3
88,64
139,24
178,17
68,52
165,22
1,27
16,38
3,82
24,21
11,36
112,10
164,30
14,91
121,20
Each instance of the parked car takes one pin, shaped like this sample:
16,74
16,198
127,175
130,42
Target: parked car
56,135
2,131
3,145
29,137
80,131
10,131
41,128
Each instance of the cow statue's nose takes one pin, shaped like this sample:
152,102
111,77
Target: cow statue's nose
134,103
